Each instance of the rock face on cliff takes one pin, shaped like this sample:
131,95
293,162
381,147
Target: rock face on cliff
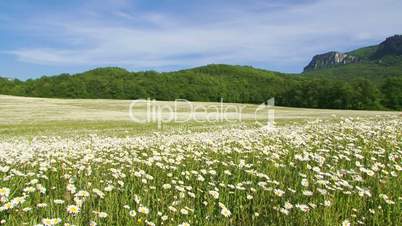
329,59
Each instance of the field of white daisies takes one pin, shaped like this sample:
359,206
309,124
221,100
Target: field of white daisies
337,172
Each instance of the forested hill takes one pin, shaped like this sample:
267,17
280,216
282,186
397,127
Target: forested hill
366,78
241,84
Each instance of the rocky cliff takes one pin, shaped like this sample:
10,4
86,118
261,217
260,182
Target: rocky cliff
389,51
329,59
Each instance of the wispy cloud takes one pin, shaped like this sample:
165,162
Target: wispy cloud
276,35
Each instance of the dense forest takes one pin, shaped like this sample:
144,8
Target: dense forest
241,84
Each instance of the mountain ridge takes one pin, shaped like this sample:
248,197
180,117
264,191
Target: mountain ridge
390,47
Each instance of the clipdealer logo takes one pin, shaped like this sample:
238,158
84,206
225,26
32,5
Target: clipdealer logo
184,111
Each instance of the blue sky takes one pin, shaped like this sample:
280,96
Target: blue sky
47,37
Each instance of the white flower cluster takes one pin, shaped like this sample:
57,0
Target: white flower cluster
343,173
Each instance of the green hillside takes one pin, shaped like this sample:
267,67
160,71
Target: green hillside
365,52
209,83
375,72
240,84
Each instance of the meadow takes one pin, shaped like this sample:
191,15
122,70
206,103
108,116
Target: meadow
82,162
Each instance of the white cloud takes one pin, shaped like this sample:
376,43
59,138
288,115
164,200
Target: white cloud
286,36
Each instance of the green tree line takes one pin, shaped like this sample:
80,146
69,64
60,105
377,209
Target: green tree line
210,83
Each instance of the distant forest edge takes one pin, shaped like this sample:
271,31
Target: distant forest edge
240,84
